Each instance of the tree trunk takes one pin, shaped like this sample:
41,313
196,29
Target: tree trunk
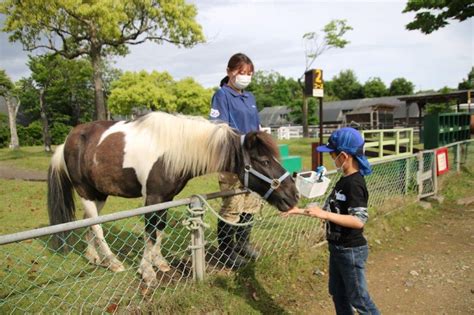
100,111
12,112
44,121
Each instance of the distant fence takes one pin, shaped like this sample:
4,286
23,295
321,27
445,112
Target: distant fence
37,279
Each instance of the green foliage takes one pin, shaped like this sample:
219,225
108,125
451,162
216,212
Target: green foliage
468,83
346,86
438,108
401,86
67,86
272,89
98,29
374,87
158,91
6,85
432,15
31,135
192,98
102,26
58,132
334,31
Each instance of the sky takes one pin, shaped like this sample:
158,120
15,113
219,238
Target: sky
270,33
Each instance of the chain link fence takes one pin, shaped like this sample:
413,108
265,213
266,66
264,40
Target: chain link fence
37,279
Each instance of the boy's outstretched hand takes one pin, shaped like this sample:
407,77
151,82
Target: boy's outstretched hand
312,211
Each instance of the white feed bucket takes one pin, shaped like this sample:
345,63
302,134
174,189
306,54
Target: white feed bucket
312,184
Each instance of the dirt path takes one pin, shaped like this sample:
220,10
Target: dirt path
429,270
7,172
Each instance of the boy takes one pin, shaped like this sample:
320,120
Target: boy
346,213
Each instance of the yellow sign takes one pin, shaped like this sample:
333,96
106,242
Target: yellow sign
318,79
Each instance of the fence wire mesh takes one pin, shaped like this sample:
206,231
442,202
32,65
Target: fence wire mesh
37,279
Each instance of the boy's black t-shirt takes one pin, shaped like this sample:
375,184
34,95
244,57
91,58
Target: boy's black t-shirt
349,196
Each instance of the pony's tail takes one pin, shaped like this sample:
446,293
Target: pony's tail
61,208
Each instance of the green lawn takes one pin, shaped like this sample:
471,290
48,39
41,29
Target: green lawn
33,275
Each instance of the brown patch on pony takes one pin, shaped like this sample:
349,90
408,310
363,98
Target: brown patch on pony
105,175
263,142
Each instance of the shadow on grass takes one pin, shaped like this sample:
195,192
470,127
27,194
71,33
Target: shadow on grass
249,288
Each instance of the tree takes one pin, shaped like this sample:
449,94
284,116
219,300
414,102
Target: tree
432,15
192,98
99,28
374,87
316,46
272,89
8,92
346,86
467,84
401,86
158,91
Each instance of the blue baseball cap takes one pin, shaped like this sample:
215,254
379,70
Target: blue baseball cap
348,140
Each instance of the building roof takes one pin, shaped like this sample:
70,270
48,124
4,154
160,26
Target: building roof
333,111
423,98
274,116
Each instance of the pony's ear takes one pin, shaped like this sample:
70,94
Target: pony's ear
263,141
251,140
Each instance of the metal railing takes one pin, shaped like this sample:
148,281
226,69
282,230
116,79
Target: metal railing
37,279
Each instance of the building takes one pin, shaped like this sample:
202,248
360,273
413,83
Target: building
275,116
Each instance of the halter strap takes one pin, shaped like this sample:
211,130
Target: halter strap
274,183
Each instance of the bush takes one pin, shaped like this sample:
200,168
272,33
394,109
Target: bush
4,136
31,135
58,132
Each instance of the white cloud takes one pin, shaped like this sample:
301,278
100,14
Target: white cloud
270,33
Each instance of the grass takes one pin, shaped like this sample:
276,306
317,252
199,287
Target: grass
281,282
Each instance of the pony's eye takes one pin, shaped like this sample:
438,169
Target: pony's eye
266,162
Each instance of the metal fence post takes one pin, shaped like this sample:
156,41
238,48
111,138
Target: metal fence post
458,157
197,226
419,179
434,172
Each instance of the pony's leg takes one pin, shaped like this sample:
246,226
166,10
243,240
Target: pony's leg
154,225
98,251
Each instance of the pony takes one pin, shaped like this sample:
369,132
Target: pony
153,157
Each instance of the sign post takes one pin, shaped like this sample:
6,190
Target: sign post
314,86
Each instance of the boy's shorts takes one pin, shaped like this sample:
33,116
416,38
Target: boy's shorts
233,206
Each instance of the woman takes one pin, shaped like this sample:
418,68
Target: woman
235,106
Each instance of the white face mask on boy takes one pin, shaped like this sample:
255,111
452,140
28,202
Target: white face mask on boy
242,81
335,163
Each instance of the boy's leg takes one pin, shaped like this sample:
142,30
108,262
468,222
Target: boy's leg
336,284
352,269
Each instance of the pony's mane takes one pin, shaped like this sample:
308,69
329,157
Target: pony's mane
187,144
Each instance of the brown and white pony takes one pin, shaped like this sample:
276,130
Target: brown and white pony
155,156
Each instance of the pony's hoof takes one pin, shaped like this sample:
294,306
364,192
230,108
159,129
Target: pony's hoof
92,257
114,264
161,263
148,275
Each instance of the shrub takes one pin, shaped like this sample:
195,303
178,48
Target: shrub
58,132
31,135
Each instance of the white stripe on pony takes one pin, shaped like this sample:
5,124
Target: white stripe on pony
201,147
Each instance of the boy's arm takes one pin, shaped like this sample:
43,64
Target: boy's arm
345,220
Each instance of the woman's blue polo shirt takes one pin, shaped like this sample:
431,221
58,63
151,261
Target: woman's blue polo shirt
239,111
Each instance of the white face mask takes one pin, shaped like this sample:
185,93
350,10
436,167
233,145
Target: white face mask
335,164
242,81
